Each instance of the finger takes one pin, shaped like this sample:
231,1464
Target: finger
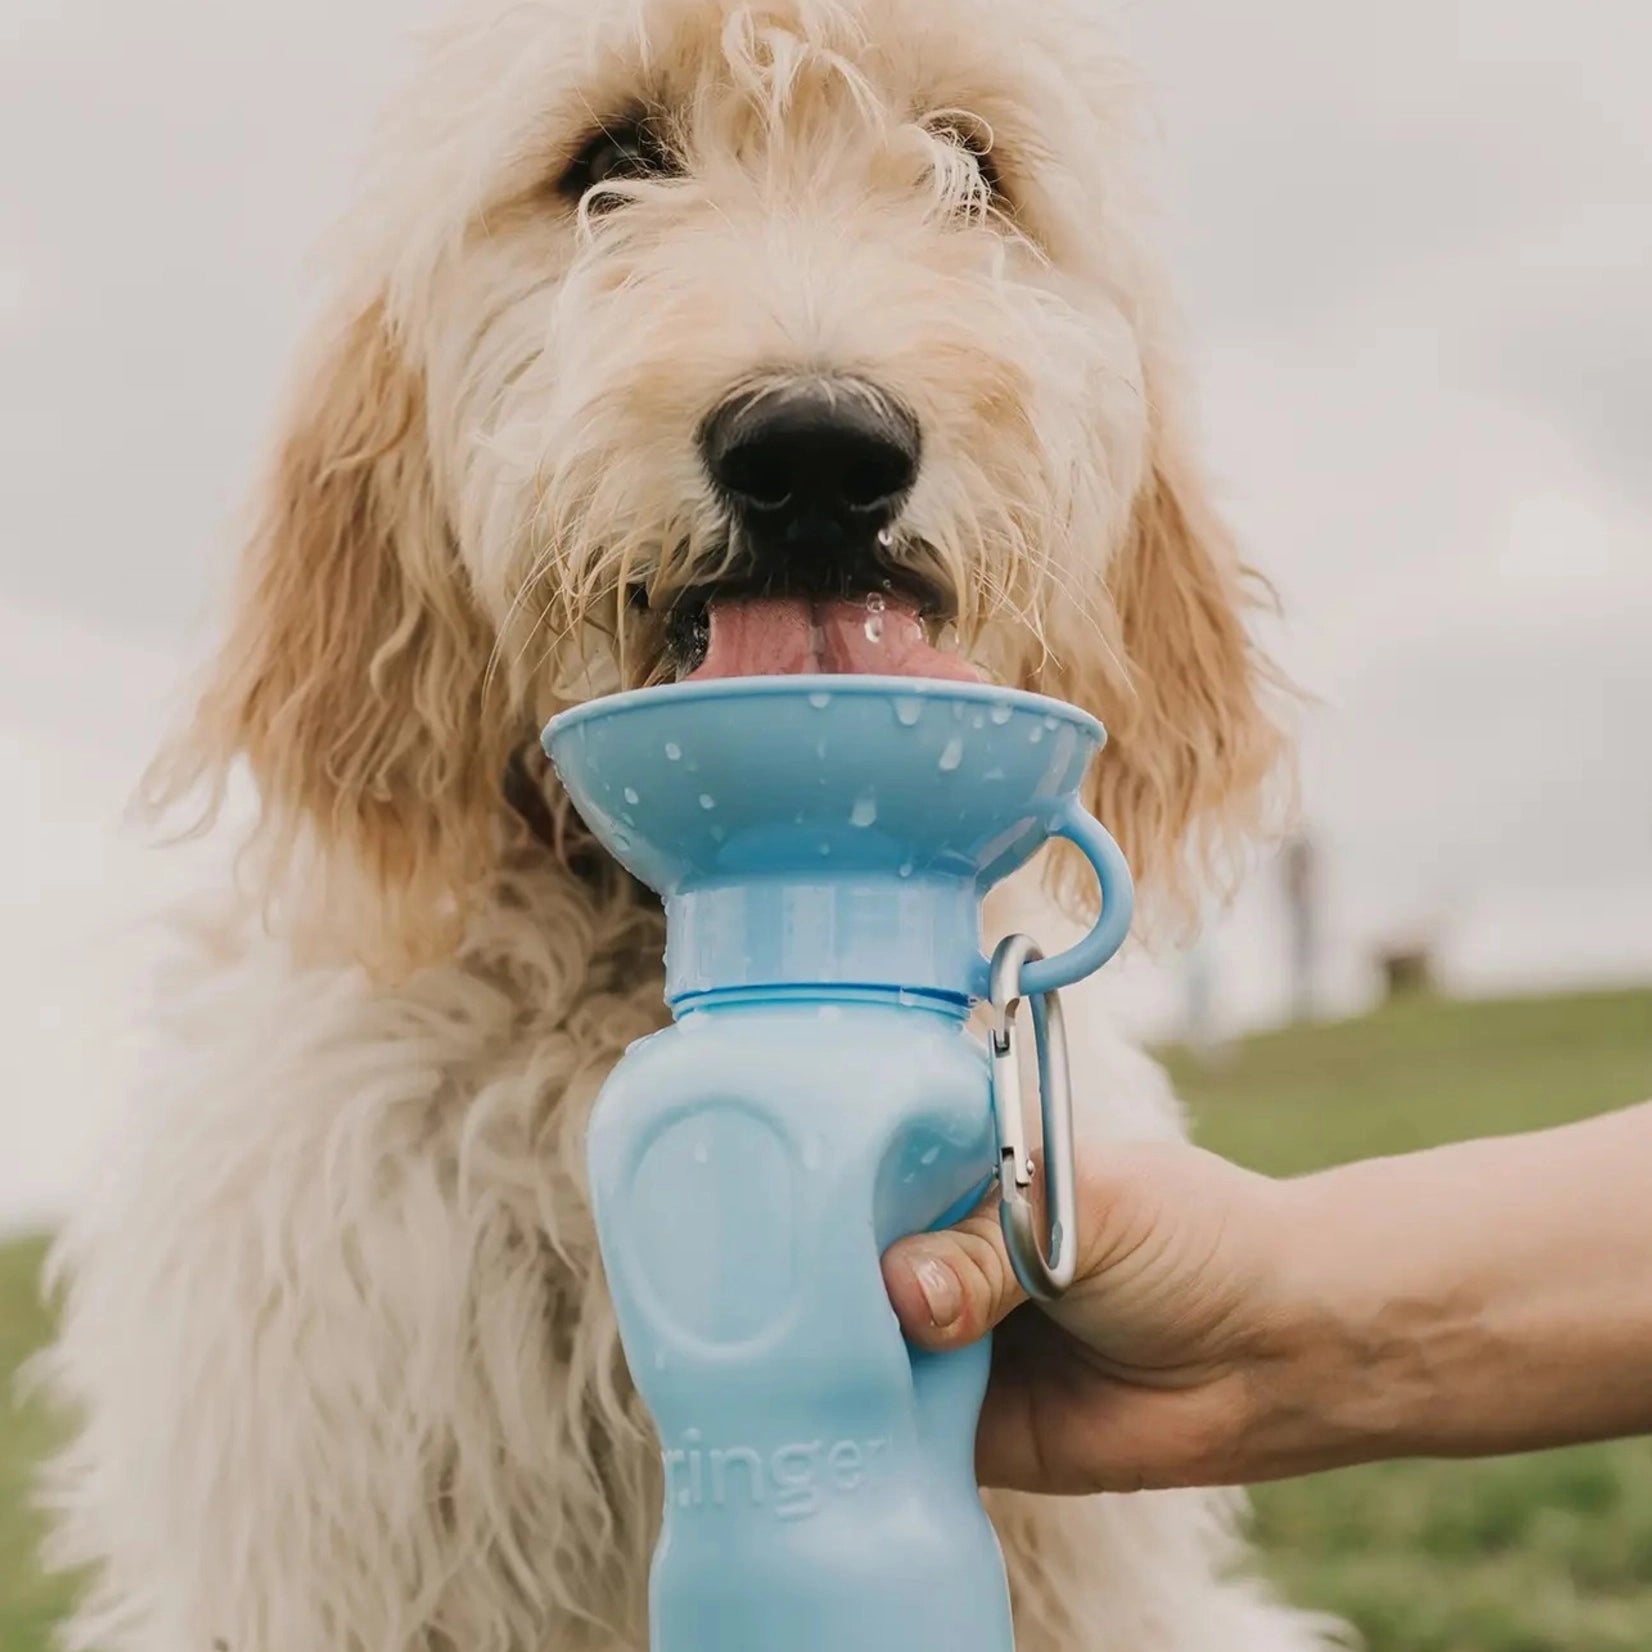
1051,1424
1032,1380
950,1288
1056,1424
1032,1440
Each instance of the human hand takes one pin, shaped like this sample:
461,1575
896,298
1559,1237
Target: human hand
1166,1362
1471,1300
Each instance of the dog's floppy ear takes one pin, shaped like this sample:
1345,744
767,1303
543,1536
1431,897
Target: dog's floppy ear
1189,700
352,677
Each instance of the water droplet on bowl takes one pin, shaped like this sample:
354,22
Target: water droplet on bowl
907,712
1002,713
825,850
660,1360
907,870
673,752
993,774
953,755
1034,735
631,795
702,1153
718,834
707,801
979,720
820,701
865,812
1052,723
931,1156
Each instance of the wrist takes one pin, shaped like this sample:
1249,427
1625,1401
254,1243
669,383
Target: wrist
1342,1371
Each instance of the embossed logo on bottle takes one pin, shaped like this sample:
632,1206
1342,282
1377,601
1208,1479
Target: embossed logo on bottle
792,1481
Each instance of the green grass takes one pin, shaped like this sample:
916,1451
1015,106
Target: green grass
29,1603
1549,1553
1537,1554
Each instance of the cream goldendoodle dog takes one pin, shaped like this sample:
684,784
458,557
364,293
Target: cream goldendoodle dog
651,302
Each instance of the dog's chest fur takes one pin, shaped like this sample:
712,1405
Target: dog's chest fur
349,1371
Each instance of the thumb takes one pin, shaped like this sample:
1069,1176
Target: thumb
950,1288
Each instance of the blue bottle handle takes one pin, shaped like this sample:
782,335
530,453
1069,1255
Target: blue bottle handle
1118,906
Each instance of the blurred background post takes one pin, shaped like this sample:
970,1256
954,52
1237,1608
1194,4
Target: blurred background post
1297,868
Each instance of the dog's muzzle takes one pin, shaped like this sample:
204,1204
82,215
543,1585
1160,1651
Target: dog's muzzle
814,475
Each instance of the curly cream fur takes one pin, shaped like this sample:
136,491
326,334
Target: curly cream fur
334,1327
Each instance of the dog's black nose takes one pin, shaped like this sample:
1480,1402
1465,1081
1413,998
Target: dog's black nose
819,468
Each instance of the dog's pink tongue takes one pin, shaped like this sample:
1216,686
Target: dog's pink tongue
763,637
792,636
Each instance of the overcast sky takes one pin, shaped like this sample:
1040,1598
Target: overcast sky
1416,249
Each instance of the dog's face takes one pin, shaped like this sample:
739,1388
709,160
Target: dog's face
667,303
800,297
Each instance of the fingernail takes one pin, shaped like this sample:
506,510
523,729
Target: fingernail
941,1292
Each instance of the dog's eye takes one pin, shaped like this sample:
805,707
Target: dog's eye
975,138
623,152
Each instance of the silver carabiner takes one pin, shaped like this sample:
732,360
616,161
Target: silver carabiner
1044,1277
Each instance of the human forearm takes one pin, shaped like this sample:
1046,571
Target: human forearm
1494,1296
1491,1297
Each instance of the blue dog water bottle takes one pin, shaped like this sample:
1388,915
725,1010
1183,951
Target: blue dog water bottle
823,845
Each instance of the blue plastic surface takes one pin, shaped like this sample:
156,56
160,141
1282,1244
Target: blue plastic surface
781,816
823,846
748,1168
